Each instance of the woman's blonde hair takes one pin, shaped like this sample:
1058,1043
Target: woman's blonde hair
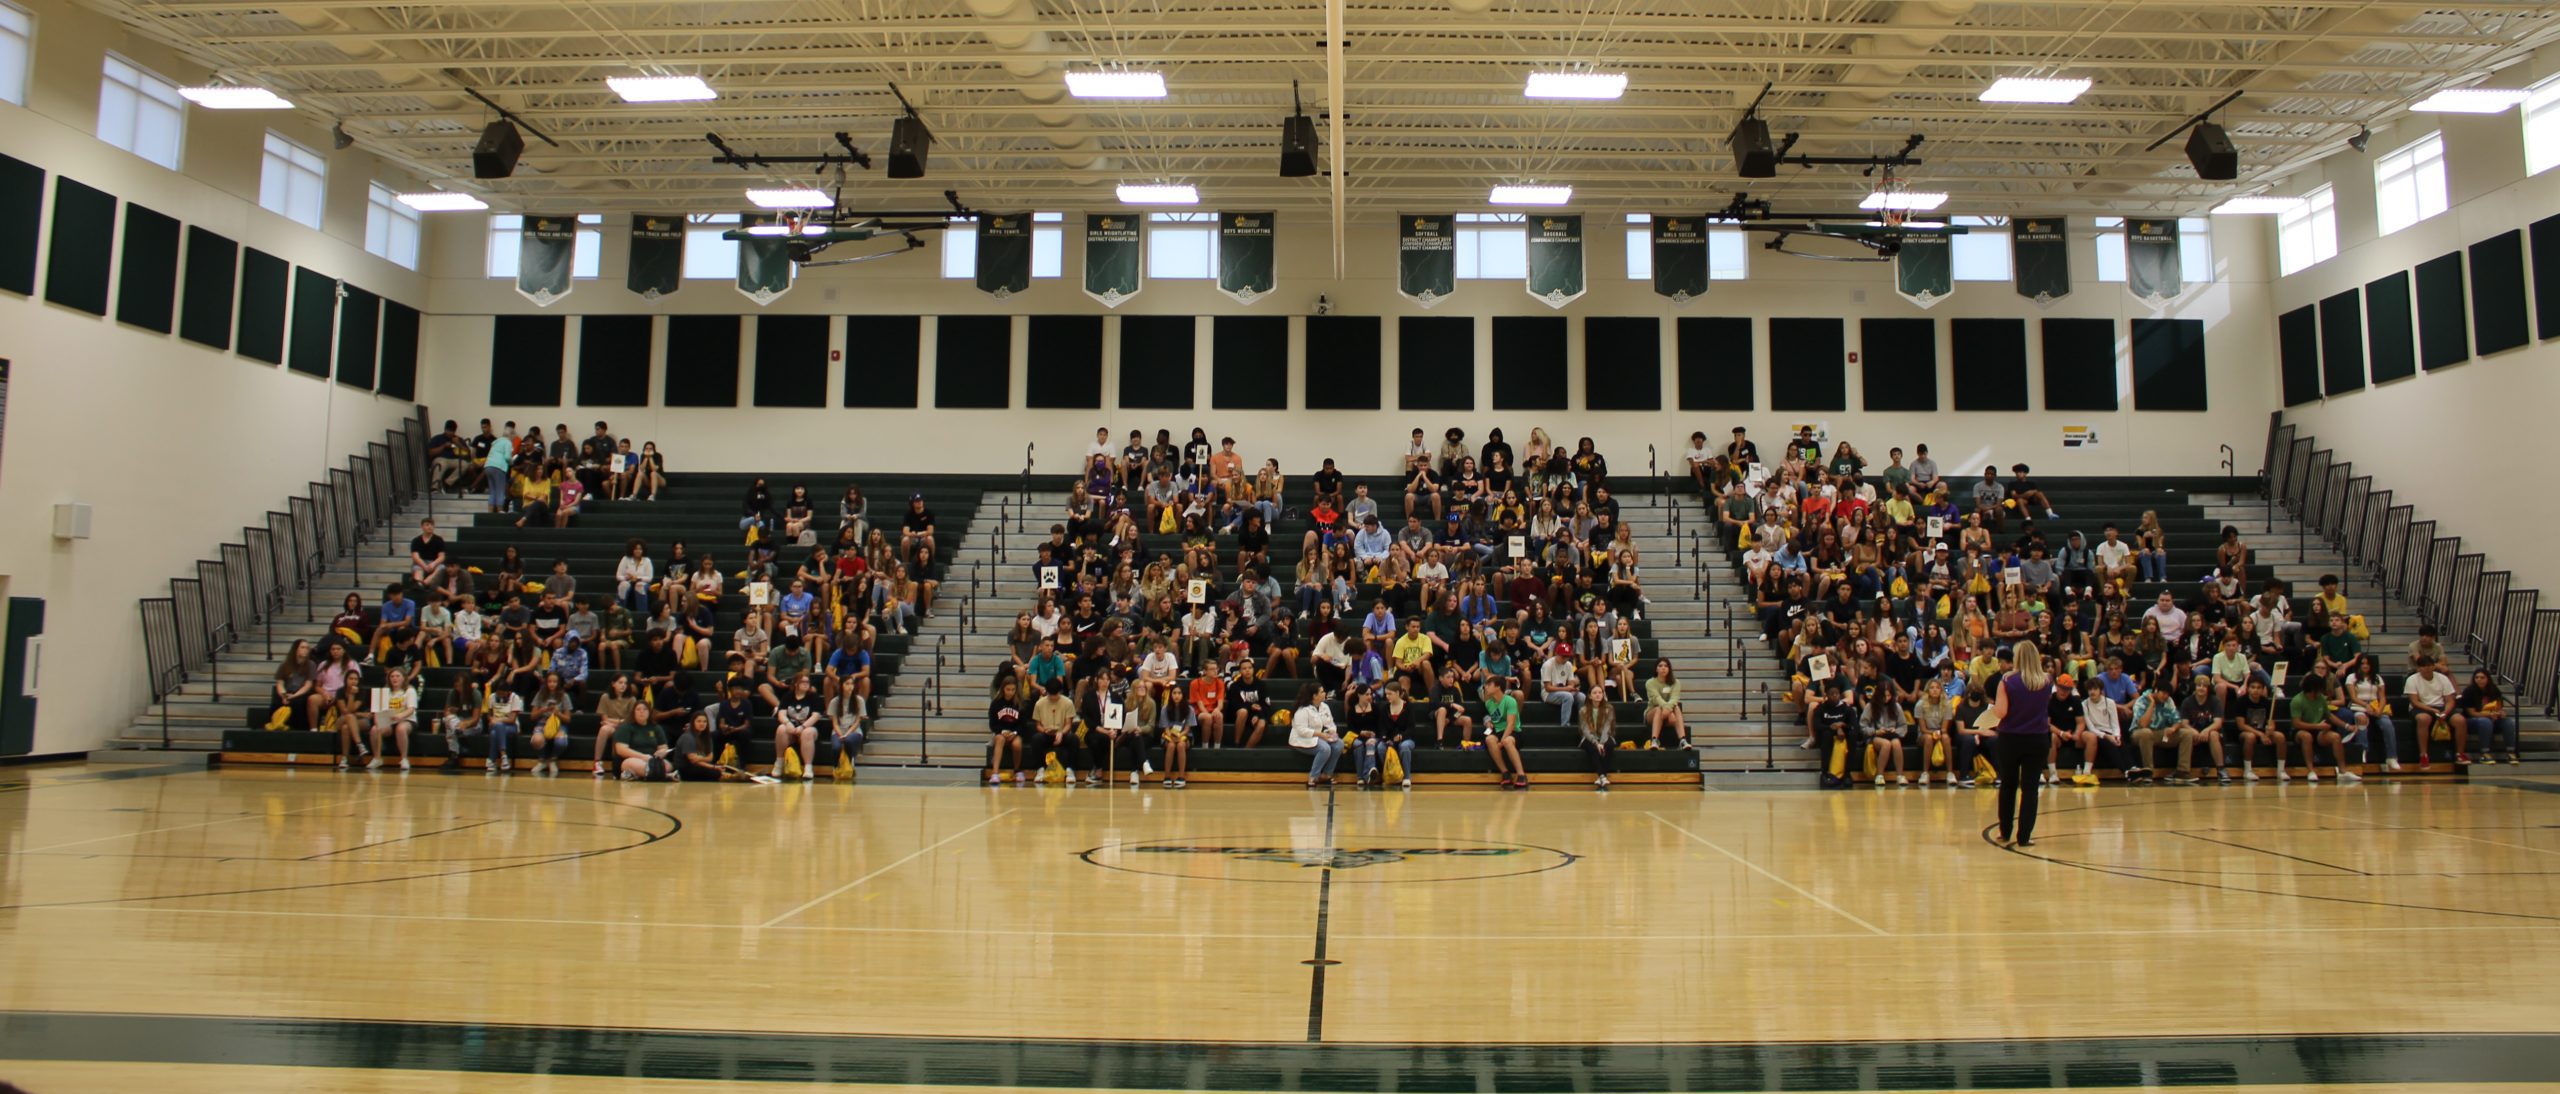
2030,661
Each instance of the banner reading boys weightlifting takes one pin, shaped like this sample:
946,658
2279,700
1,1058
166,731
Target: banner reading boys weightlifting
1427,257
1244,256
1555,258
1111,257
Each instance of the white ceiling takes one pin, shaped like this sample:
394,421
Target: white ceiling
1432,115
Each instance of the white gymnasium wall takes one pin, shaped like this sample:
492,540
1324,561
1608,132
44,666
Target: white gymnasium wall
2240,344
175,446
2460,441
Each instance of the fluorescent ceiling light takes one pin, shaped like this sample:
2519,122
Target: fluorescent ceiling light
2034,89
1115,83
785,229
791,199
660,89
1159,193
1530,195
2469,100
2257,204
230,97
1576,85
442,201
1918,201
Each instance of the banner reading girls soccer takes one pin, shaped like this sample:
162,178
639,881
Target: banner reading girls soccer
1679,257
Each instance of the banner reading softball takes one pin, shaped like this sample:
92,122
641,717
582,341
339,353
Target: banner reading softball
1427,257
1244,256
657,255
1680,259
1555,258
1111,257
2040,252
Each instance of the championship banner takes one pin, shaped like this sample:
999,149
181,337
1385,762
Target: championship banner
2040,253
657,255
764,262
1427,257
1004,253
2151,260
1555,258
1113,266
1680,258
547,252
1924,270
1245,260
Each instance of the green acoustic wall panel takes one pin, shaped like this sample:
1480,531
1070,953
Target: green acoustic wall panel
702,360
1989,363
1716,370
1621,363
2444,313
2391,342
525,356
315,322
2169,364
399,378
2079,364
1249,362
359,335
84,243
1436,362
1808,364
21,222
211,283
264,282
1157,354
882,358
1345,362
147,278
1899,370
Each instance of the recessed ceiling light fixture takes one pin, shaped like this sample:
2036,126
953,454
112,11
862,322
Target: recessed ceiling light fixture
1159,193
1530,195
441,201
1916,201
660,89
802,198
2257,205
1576,85
1115,83
233,97
786,229
2469,100
2050,90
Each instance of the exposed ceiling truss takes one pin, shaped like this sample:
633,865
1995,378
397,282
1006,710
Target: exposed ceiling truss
1428,91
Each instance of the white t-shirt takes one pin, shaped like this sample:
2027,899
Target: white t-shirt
466,626
1698,455
2436,692
2112,553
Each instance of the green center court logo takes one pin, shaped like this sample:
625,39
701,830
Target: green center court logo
1398,859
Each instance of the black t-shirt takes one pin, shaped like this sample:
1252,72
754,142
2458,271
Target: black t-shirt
480,446
430,548
547,621
736,717
1253,539
2063,710
1835,717
600,449
918,520
1905,669
1328,481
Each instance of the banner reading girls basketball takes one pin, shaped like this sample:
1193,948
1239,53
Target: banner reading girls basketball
1555,258
2040,252
1245,260
1427,257
2151,260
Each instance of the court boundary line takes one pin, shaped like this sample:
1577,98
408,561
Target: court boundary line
1324,916
911,856
199,824
1755,868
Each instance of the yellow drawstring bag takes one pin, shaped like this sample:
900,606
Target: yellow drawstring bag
1901,588
282,718
550,729
533,586
1937,753
1052,769
2084,778
789,765
844,766
687,658
1983,771
728,755
1393,771
1870,760
1839,762
2356,626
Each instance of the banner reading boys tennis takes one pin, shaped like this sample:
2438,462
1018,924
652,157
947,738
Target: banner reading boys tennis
1004,253
1922,273
547,251
2040,252
1111,258
1244,256
657,255
764,262
1427,257
1555,258
1679,258
2151,260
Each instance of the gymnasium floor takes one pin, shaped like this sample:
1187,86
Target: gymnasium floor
179,930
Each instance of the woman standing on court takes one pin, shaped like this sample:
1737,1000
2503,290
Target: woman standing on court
2025,737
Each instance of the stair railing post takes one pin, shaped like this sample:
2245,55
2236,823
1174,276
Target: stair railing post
1768,732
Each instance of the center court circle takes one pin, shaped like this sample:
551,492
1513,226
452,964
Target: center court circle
1347,859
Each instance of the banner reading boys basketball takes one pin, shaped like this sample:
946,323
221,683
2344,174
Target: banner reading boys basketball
764,262
657,255
1922,273
1245,260
1427,257
1004,253
1679,258
1555,258
2040,252
547,250
1111,258
2151,260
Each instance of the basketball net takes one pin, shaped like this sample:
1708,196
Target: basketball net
1896,210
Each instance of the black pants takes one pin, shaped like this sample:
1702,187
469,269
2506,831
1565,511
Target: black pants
1599,756
2019,757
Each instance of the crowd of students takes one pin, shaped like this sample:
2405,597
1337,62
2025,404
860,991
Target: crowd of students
1509,575
1896,596
544,483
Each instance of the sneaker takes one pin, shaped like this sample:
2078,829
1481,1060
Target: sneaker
808,773
2284,775
2252,774
2391,765
1021,778
1965,784
1806,744
374,764
2349,777
1147,766
1041,777
599,770
342,763
2514,759
2225,776
1905,780
1133,777
2313,774
404,765
996,779
2461,759
1408,782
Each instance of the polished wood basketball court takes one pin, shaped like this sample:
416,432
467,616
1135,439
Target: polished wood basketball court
288,929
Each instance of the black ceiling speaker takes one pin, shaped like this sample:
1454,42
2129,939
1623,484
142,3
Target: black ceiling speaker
1298,147
1753,156
2210,149
909,141
495,156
